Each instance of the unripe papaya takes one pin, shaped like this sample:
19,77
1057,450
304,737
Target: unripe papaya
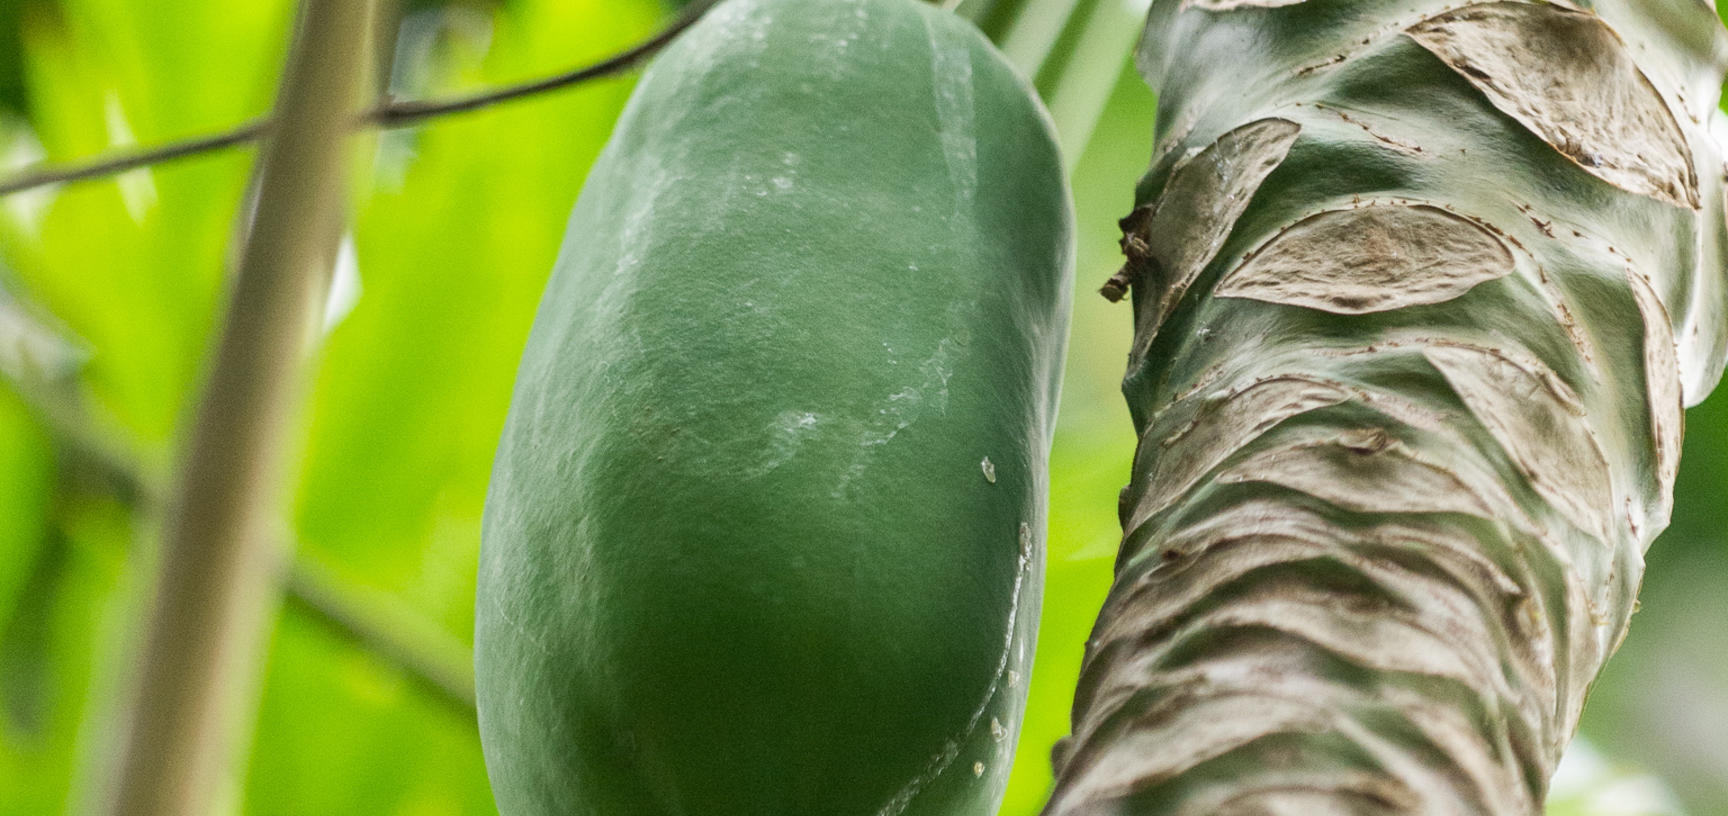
765,528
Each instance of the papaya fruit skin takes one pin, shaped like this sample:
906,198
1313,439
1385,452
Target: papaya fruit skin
742,552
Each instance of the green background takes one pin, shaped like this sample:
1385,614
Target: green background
109,292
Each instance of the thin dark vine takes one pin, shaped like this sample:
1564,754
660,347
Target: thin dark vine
389,115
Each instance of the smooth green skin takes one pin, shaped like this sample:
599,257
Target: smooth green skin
740,553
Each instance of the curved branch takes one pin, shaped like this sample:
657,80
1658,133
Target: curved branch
408,112
383,627
40,367
372,622
122,162
394,114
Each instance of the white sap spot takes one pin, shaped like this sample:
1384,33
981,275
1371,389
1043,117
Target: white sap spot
903,407
997,732
838,36
989,468
782,183
951,67
787,433
791,159
951,750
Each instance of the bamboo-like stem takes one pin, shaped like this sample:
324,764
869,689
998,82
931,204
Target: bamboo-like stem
217,584
1031,37
1083,68
387,631
389,115
375,624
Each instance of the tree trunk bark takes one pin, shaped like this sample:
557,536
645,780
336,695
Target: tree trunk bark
1419,292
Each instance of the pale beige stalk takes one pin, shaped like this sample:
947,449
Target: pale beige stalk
218,584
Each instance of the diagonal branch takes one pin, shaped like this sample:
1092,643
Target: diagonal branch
40,367
121,162
387,630
409,112
395,114
373,622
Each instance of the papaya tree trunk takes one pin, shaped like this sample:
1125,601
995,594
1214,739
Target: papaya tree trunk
1419,293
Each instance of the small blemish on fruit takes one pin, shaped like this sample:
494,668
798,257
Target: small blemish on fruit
977,769
997,732
989,470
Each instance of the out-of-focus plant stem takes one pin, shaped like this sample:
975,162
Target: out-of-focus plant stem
44,378
1083,66
1029,37
1072,50
386,630
217,584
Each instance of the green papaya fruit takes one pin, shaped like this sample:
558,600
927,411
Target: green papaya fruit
765,528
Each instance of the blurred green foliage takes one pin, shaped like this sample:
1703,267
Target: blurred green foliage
454,230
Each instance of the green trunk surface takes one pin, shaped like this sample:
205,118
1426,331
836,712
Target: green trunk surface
1419,293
